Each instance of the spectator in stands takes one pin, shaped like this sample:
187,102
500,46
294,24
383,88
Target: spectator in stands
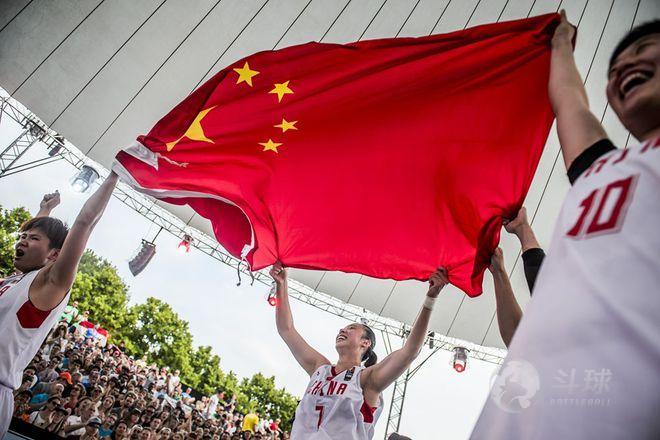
121,431
49,374
99,392
57,421
70,313
77,392
21,404
39,400
106,406
75,424
173,381
91,429
42,418
107,427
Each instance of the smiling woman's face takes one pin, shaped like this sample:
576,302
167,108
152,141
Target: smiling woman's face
351,337
633,86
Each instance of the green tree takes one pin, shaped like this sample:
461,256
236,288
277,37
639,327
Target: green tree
206,376
259,393
10,222
161,335
99,289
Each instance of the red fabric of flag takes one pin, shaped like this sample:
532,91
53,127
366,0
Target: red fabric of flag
387,158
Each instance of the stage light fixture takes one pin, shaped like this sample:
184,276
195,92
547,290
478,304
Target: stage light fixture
140,261
460,359
184,246
56,145
84,179
272,295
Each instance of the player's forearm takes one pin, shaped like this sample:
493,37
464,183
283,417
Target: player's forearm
93,208
283,316
509,312
415,340
43,212
63,272
565,86
527,238
577,127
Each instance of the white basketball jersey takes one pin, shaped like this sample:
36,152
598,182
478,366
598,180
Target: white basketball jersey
585,360
23,327
333,407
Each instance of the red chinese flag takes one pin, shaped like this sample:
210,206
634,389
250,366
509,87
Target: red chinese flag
387,158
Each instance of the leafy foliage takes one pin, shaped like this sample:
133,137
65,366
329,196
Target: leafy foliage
259,393
99,289
10,222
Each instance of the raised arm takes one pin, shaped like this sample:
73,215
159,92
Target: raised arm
307,357
48,203
532,254
577,127
508,309
378,377
54,282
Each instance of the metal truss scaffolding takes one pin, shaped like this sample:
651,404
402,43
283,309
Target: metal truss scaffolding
35,130
32,133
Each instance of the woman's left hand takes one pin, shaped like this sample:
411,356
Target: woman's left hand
437,281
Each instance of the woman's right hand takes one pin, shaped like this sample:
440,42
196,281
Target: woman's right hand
278,272
564,32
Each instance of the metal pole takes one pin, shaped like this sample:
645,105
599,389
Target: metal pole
396,406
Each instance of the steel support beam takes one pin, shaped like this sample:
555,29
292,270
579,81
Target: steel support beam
31,134
396,406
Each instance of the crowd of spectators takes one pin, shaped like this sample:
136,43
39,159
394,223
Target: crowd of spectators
80,387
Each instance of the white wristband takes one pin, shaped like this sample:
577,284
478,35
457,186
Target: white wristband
428,303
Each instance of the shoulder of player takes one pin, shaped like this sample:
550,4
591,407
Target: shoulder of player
587,158
44,294
321,363
365,376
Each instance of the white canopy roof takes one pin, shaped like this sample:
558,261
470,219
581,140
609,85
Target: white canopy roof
102,72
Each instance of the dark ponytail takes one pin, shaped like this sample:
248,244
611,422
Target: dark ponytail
369,357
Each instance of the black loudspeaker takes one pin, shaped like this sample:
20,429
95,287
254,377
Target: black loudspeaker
140,261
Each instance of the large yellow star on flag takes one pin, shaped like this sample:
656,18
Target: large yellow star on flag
270,145
281,90
195,132
287,125
245,74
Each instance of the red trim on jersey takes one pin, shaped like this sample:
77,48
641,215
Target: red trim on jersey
367,412
29,316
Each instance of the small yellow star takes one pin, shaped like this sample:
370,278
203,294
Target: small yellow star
281,90
245,74
270,145
287,125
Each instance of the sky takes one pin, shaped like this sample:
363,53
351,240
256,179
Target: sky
236,321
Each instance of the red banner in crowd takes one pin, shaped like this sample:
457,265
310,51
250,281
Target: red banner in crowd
387,158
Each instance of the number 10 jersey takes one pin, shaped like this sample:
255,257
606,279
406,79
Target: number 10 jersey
589,340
